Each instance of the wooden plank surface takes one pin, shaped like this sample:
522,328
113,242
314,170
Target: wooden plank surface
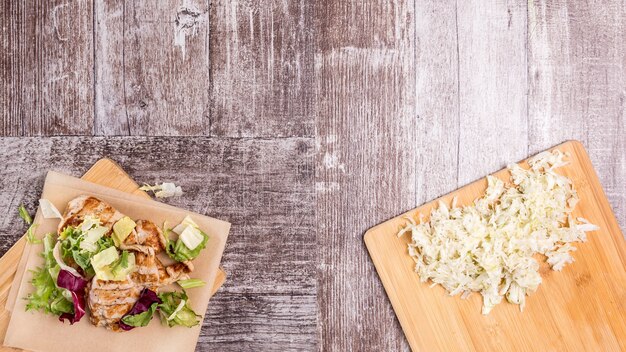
492,86
365,91
437,93
406,100
46,61
261,68
576,84
152,71
263,187
580,307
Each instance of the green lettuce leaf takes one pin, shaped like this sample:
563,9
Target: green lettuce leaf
123,265
171,312
30,234
141,319
179,252
24,214
191,283
47,297
71,251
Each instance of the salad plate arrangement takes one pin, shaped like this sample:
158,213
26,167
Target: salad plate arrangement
102,261
104,265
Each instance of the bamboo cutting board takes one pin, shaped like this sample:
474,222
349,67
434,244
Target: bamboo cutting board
104,172
581,308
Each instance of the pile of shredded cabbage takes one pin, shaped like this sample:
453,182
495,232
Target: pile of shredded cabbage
488,247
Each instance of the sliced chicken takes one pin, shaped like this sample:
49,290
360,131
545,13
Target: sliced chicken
108,301
147,271
82,206
150,241
174,272
146,238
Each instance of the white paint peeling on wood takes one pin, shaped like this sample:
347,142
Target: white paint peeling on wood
327,187
492,87
540,67
262,73
331,161
55,21
110,105
59,78
186,24
378,57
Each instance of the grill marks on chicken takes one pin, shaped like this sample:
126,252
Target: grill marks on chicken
108,301
148,239
82,206
147,271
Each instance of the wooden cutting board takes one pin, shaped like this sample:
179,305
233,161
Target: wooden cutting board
581,308
105,172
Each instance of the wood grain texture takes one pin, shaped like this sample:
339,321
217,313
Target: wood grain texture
437,99
110,112
492,86
365,74
577,75
261,68
407,100
580,308
46,60
263,187
152,68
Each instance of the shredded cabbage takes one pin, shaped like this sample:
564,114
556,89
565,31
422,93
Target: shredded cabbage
164,190
488,247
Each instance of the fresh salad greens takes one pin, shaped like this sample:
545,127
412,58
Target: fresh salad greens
123,266
24,214
109,265
91,250
30,233
140,319
190,283
48,297
180,253
190,242
74,248
75,285
174,310
142,311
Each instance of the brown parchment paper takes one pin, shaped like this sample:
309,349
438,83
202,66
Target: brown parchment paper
36,331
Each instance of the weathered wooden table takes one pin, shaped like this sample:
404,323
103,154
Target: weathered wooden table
304,123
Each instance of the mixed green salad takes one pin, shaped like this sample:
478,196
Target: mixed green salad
78,255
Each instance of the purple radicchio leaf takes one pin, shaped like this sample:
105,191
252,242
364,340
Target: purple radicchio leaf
146,299
76,286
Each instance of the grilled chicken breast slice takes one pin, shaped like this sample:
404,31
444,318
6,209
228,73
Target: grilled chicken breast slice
108,301
146,238
82,206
